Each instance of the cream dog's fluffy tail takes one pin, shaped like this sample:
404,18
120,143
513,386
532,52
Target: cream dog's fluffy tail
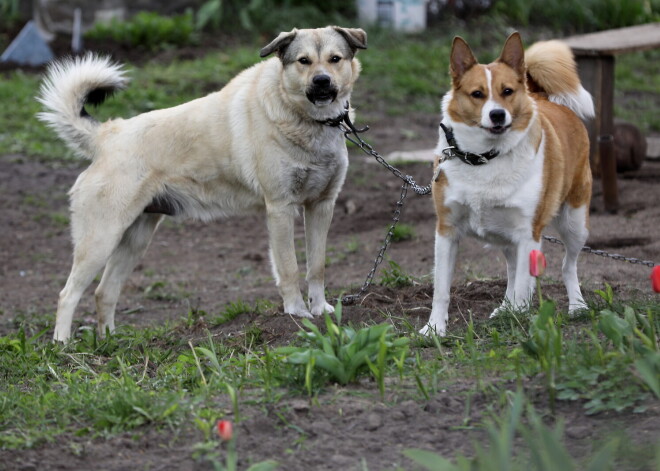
69,85
552,69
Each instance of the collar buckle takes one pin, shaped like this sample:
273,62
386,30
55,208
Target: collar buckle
465,157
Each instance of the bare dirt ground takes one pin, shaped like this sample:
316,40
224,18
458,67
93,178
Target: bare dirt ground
207,266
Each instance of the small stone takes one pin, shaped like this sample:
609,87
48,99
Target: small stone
341,461
351,207
374,421
300,406
578,432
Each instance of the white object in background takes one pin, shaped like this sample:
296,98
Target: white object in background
401,15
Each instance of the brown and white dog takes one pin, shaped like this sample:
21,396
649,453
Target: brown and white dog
520,116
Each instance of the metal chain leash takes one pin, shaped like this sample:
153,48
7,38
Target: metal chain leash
602,253
351,133
348,128
351,298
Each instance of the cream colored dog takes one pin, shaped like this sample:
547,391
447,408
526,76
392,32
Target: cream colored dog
268,140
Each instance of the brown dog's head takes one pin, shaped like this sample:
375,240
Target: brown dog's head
490,98
319,65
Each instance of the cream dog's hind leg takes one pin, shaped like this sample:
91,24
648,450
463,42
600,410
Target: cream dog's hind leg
92,249
100,215
121,264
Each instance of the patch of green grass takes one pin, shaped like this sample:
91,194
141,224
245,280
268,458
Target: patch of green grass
237,308
543,449
395,277
163,291
402,232
152,86
165,378
147,30
636,89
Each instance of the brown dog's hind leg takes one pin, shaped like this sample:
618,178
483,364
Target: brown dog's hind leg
121,264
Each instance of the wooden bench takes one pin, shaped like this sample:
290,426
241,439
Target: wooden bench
595,58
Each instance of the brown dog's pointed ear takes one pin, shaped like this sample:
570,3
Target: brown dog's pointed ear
513,53
461,59
279,44
355,37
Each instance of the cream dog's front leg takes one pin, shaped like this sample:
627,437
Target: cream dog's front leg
318,216
283,258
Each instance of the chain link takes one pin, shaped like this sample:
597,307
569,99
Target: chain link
602,253
349,129
351,298
351,133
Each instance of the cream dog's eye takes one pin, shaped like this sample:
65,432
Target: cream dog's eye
507,92
477,94
304,61
335,59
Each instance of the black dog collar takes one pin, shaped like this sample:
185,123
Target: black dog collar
336,121
465,157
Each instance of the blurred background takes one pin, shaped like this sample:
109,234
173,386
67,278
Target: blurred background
404,70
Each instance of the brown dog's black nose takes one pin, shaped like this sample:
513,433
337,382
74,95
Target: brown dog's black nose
321,80
497,117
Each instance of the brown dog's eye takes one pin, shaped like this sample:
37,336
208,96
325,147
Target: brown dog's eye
477,94
304,61
335,59
507,92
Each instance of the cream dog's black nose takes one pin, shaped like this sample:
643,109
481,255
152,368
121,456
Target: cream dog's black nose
321,80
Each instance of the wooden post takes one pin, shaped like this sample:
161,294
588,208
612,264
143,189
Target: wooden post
591,78
606,136
597,76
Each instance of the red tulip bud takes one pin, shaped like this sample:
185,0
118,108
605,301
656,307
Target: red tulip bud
537,263
655,278
225,430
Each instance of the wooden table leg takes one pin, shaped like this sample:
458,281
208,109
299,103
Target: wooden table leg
597,76
606,136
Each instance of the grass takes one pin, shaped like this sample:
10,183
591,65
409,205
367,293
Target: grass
155,378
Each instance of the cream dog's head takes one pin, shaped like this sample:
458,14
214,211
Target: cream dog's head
319,66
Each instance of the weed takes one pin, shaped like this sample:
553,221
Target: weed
544,452
402,232
395,277
342,354
544,343
238,308
601,372
162,291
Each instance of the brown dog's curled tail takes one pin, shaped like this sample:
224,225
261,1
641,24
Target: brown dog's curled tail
551,69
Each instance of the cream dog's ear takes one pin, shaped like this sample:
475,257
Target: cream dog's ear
355,37
279,44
